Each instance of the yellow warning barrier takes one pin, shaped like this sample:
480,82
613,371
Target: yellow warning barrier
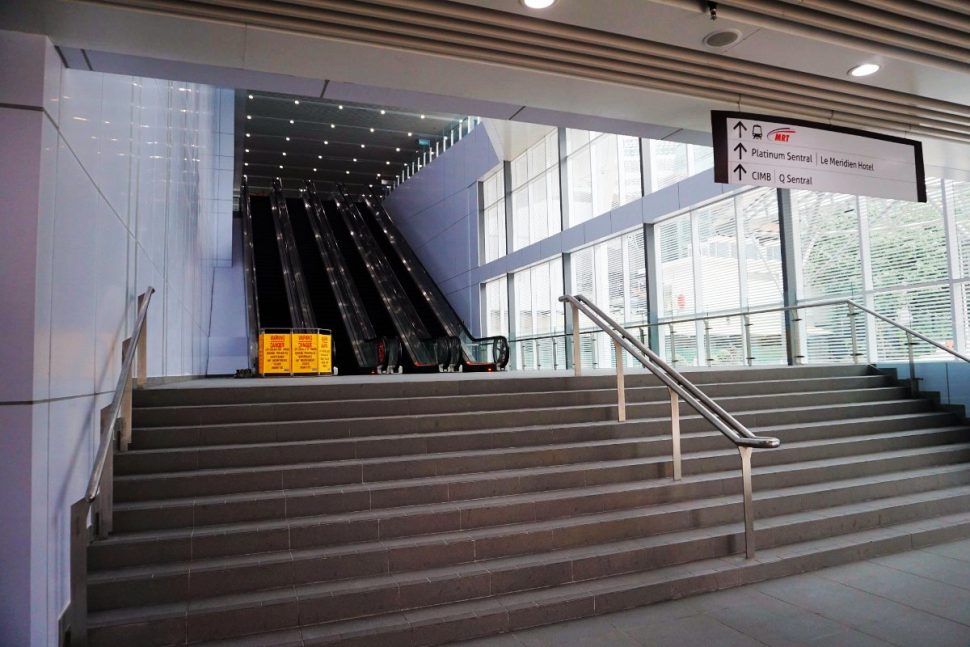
304,352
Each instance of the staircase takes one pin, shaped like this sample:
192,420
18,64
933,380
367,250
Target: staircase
423,512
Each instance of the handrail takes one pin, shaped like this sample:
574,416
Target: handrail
249,277
678,387
132,347
98,498
301,311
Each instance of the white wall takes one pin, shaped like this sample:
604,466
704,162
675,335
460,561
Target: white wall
109,184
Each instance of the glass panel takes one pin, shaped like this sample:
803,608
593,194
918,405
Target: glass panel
668,163
767,338
630,170
520,218
827,333
676,267
925,310
579,176
719,284
827,234
762,247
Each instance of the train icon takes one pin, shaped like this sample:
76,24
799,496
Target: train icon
756,132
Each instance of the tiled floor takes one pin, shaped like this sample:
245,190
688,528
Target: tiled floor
920,598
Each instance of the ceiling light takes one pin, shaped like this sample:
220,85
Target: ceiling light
245,163
249,116
319,157
372,130
398,150
383,112
362,146
864,70
371,185
348,172
422,116
340,107
247,135
284,153
287,139
538,4
250,96
291,121
388,162
333,125
326,143
314,170
281,166
410,134
355,159
247,150
296,101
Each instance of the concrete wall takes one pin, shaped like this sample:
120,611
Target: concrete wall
109,184
437,211
950,379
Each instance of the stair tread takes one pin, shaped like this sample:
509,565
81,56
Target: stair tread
244,600
464,478
417,416
515,528
495,451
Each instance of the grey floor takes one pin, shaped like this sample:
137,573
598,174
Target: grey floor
919,598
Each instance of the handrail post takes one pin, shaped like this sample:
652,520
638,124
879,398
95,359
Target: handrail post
620,392
577,359
675,432
855,340
103,502
913,384
748,350
141,357
79,572
748,501
124,422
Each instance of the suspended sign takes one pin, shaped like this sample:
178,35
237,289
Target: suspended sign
770,151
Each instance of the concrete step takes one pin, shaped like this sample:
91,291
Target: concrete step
169,416
471,490
145,461
227,617
206,482
415,541
389,387
491,617
180,544
303,430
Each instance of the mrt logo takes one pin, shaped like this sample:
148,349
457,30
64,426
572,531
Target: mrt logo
780,135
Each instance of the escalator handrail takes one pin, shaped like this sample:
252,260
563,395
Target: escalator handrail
439,304
249,277
301,311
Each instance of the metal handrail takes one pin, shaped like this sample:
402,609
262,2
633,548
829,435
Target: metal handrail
98,498
132,348
249,277
678,387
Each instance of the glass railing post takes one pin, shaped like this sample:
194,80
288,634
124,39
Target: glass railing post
855,340
577,359
675,432
748,350
748,501
707,342
913,384
620,393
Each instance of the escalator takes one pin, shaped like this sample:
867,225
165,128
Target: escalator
335,301
488,353
272,304
424,350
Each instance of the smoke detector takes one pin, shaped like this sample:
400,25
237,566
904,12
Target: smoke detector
722,38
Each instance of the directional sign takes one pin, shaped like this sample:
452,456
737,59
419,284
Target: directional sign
792,154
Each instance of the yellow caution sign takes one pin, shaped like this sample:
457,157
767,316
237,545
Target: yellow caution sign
306,353
325,353
275,355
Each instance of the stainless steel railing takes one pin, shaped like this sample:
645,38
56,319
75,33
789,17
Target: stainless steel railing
678,387
99,496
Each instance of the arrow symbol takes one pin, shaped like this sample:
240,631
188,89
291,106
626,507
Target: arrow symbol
739,170
739,149
739,126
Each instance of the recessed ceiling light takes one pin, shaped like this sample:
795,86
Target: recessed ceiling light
383,112
245,163
281,166
355,159
864,70
314,170
388,162
250,96
348,172
249,116
722,38
248,135
297,102
410,134
284,153
247,150
372,130
340,107
538,4
422,116
319,157
398,150
291,121
371,185
333,125
362,146
287,139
